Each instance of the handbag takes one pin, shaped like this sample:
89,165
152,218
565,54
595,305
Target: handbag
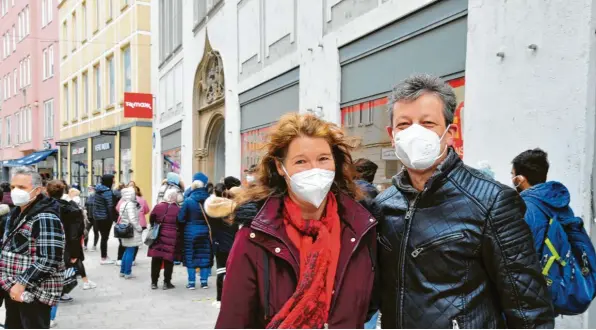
154,231
123,230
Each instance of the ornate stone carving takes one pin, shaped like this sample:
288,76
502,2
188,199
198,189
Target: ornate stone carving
201,153
212,79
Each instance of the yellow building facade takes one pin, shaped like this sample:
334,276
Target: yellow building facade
104,52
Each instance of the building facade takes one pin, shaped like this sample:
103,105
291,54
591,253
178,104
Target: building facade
105,54
29,92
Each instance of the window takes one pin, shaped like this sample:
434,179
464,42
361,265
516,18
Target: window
18,123
14,38
7,44
48,116
84,20
21,30
170,26
50,9
27,21
1,132
28,124
9,95
14,79
127,70
8,132
28,70
97,74
85,94
51,60
44,15
45,63
97,14
111,82
74,32
110,9
66,99
75,93
64,38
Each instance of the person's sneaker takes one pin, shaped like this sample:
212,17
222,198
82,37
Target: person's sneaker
153,286
128,277
216,304
89,285
53,324
122,275
119,263
85,249
106,261
93,249
204,286
66,298
134,263
168,286
190,286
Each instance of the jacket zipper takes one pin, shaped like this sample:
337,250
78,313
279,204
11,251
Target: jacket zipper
402,263
343,270
435,243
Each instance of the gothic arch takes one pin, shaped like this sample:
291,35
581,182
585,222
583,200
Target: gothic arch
208,113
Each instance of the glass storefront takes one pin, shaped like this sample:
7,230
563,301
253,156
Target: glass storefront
171,138
171,161
126,172
79,166
103,157
63,163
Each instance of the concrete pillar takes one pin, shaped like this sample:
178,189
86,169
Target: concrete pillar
539,91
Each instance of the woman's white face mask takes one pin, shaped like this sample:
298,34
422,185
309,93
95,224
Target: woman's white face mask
312,185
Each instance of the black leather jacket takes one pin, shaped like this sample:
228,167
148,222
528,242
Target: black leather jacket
458,255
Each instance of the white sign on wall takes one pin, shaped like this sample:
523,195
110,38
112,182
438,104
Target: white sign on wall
103,146
388,154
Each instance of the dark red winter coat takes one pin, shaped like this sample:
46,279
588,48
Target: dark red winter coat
263,243
169,241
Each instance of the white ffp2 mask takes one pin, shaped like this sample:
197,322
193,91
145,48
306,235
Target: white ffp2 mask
417,147
20,197
312,185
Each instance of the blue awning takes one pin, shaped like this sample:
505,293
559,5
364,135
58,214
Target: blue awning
31,159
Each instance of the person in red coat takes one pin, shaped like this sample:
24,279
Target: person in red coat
167,248
305,256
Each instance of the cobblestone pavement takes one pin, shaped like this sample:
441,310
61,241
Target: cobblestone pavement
120,303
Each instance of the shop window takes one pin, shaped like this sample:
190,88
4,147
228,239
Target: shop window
171,161
127,70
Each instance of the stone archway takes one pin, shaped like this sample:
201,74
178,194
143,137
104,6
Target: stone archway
208,115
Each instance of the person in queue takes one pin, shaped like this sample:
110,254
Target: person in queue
104,213
305,256
454,249
31,260
172,182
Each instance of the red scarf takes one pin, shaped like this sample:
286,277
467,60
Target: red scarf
319,243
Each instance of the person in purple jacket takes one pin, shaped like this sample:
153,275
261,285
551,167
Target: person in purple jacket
167,248
305,256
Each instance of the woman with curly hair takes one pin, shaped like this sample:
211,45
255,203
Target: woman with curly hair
305,256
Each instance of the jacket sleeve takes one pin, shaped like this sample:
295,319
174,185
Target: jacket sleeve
240,299
133,216
512,264
152,218
48,234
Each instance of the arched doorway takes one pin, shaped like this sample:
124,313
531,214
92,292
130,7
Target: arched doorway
208,115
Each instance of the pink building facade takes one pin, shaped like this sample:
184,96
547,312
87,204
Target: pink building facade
29,85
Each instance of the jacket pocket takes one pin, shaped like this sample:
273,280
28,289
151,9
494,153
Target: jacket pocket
435,243
384,242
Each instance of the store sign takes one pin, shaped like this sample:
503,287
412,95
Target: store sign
62,144
138,105
78,151
103,146
108,133
388,154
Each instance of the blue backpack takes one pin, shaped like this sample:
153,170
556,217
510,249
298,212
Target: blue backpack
568,261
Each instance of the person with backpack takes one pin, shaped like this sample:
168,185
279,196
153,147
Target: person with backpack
197,233
91,224
172,182
104,213
568,258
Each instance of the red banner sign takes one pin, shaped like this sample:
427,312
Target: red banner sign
138,105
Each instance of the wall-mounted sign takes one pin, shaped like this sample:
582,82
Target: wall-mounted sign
138,105
388,154
78,151
103,146
62,144
110,133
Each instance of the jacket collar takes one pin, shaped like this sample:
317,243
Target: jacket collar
402,179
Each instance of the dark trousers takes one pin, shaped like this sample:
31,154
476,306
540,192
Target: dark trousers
156,268
104,227
221,258
26,316
80,268
122,248
95,233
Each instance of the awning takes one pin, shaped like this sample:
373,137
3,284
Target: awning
31,159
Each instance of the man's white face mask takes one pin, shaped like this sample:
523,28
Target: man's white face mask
418,148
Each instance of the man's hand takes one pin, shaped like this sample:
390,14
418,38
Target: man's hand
16,291
73,260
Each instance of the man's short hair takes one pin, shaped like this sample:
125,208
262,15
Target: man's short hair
29,171
533,165
417,85
56,189
366,169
